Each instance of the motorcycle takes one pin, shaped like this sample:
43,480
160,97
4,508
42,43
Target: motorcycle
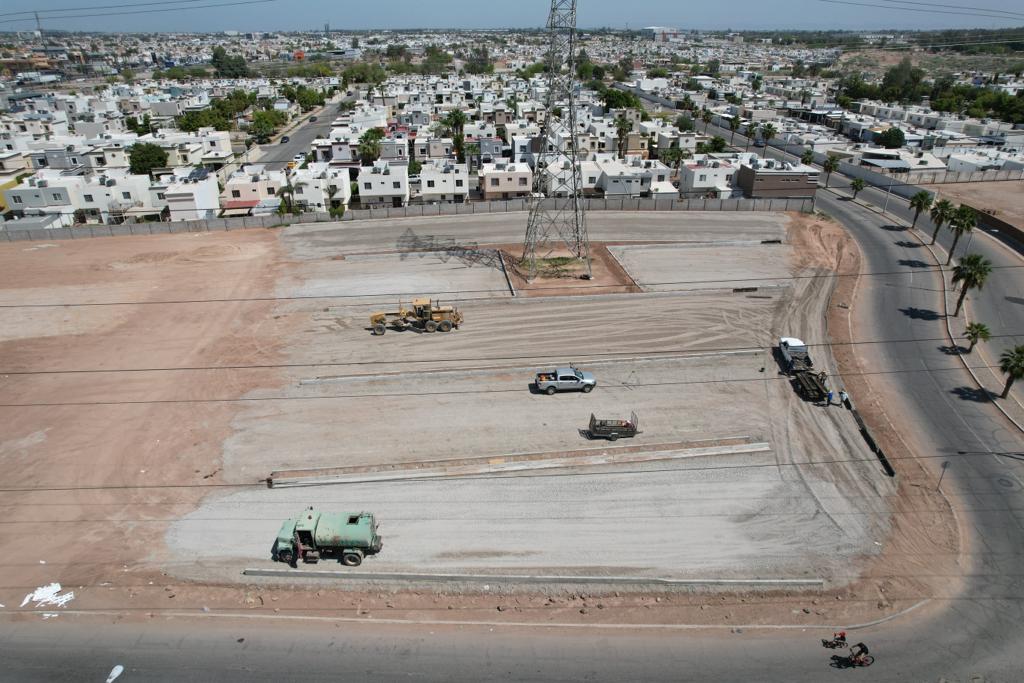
838,641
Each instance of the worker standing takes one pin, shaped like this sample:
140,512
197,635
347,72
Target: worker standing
828,401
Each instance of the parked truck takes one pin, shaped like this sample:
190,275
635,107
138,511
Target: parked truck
314,535
565,379
795,355
797,363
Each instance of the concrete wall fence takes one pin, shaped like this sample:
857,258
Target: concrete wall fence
804,205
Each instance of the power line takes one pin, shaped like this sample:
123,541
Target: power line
914,9
94,7
470,359
457,392
938,268
489,477
145,11
959,7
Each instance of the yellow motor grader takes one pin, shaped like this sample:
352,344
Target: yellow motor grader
424,314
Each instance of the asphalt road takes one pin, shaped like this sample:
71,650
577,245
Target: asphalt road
975,631
277,154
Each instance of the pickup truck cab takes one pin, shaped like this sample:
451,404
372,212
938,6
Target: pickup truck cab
565,379
794,354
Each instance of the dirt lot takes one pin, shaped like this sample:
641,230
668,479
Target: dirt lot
149,459
1005,198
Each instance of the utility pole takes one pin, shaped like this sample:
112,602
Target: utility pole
556,204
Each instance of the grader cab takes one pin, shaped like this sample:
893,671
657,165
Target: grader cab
424,314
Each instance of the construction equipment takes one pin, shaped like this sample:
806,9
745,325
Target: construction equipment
347,536
425,315
613,429
797,363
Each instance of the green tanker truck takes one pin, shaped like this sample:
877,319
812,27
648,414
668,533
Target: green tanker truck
346,536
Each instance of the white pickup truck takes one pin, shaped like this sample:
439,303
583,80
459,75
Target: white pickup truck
565,379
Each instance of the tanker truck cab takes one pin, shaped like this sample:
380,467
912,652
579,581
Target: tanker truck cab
345,536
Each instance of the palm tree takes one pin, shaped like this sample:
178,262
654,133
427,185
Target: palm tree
920,202
734,125
830,165
767,133
941,213
671,156
975,333
456,120
369,148
964,220
622,130
1012,364
750,133
807,157
473,152
971,272
706,118
857,185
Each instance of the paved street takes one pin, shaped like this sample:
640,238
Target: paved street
277,154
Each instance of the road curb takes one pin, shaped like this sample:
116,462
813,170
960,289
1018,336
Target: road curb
524,579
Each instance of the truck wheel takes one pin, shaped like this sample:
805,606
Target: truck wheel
430,326
550,391
444,326
587,388
613,437
352,558
286,556
379,328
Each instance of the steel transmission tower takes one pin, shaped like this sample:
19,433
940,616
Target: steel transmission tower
556,206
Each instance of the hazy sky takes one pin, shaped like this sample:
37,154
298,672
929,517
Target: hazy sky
361,14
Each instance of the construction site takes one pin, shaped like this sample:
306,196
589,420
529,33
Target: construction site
154,385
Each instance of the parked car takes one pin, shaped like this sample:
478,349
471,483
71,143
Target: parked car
285,138
564,379
312,118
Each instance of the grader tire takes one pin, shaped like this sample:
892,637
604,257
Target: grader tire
379,329
430,326
444,326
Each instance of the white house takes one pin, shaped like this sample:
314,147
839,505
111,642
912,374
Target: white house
383,184
444,181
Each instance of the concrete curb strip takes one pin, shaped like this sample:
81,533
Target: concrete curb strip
524,579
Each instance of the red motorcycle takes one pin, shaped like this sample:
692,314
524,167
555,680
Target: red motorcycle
838,641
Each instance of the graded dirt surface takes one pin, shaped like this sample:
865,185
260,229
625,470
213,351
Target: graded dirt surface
1004,198
187,406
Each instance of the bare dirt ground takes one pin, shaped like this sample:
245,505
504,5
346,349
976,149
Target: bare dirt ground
118,453
1005,200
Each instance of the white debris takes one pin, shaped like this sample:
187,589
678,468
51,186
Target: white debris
48,595
50,615
114,673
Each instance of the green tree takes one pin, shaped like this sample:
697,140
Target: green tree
623,127
1011,362
920,202
734,125
857,185
369,146
706,116
892,138
767,133
144,157
941,213
684,123
671,157
716,145
964,221
830,165
128,75
750,132
807,157
972,272
456,120
975,333
225,66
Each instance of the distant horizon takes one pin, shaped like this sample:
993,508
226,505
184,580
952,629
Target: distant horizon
455,29
265,16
